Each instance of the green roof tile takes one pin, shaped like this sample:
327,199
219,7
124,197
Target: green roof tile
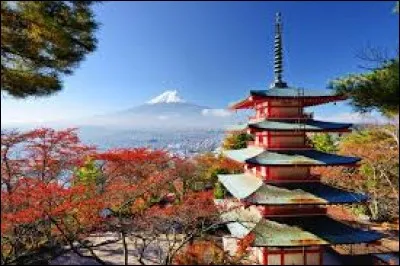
241,185
309,125
259,156
294,231
252,188
292,92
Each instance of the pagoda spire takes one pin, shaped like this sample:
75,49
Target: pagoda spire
278,60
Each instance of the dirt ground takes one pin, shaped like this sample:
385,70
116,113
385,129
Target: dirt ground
113,253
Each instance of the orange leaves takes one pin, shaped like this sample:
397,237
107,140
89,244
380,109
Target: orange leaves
201,253
43,153
137,155
193,208
35,200
231,165
210,165
244,244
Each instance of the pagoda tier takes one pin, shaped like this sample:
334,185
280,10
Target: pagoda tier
308,125
293,231
252,190
276,97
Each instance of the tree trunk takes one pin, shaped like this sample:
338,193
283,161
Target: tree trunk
125,247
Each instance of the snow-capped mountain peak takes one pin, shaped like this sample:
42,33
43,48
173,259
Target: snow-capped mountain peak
169,96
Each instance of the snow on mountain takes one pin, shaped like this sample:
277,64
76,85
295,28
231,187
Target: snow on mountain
169,96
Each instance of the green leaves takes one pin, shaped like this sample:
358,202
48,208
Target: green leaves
237,141
41,42
377,89
219,192
324,142
88,174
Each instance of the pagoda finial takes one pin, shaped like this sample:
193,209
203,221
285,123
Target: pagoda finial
278,60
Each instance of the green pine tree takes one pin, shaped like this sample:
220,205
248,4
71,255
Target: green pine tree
41,41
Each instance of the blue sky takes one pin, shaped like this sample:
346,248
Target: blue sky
212,53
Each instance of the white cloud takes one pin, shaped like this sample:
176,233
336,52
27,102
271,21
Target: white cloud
354,117
216,112
163,117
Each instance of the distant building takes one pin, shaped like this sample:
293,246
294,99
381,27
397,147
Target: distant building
277,199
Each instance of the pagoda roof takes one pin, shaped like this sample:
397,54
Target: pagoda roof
260,156
292,92
294,231
253,190
291,125
308,96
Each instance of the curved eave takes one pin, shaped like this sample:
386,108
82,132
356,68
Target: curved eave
252,100
287,126
242,104
308,125
294,231
253,190
260,156
324,229
311,193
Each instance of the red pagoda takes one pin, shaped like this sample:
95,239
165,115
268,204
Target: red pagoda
277,198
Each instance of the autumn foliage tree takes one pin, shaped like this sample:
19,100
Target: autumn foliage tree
38,207
377,176
151,200
236,140
211,253
57,192
209,165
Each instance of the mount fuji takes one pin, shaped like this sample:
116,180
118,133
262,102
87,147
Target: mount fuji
170,96
165,111
166,121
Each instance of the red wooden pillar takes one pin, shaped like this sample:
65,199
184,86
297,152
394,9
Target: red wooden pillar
269,138
321,255
282,251
265,256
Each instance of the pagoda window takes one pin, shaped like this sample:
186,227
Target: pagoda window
265,140
263,171
311,255
254,170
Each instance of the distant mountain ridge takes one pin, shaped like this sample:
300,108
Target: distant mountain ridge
165,111
165,122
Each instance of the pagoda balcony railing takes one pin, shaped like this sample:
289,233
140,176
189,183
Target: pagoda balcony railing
278,147
283,179
304,116
286,179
